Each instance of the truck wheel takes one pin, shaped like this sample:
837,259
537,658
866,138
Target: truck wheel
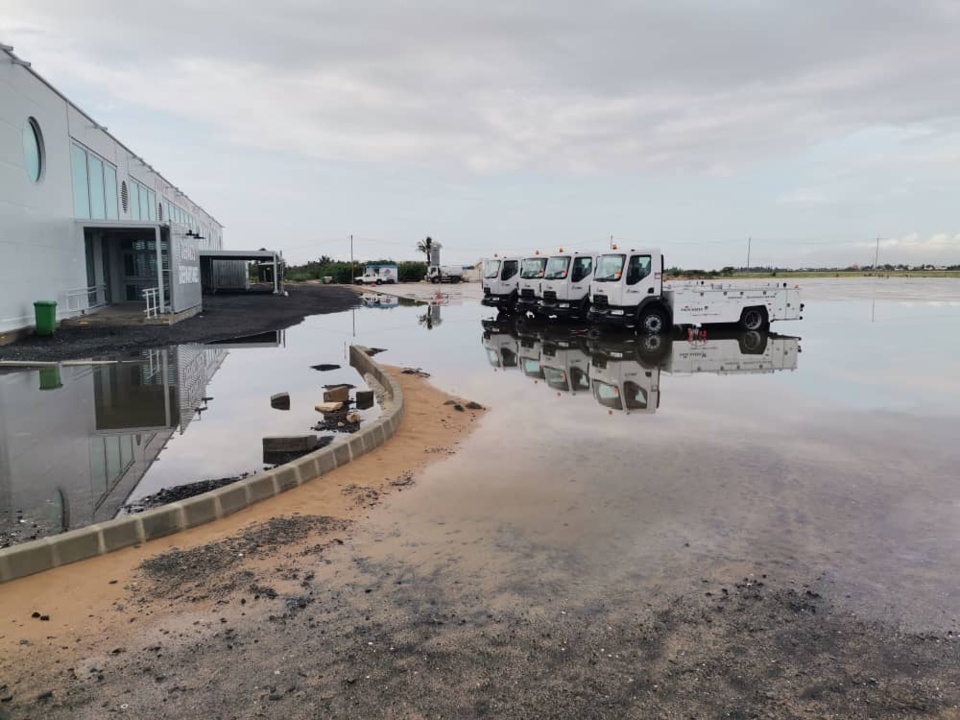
752,342
653,321
379,281
754,318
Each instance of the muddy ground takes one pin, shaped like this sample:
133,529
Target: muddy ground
224,317
317,629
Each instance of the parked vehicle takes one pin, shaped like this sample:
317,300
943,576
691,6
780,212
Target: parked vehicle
531,277
445,273
377,275
627,290
501,277
566,285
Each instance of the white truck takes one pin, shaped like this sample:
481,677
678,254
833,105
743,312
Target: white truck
627,290
500,281
445,273
377,275
566,285
531,277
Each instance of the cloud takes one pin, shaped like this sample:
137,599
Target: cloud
623,87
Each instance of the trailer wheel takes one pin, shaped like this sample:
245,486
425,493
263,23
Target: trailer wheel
754,318
653,321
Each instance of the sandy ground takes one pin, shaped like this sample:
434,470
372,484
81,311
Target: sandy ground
446,293
89,603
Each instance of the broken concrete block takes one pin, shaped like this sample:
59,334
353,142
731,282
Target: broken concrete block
329,407
364,399
289,443
280,401
353,417
339,394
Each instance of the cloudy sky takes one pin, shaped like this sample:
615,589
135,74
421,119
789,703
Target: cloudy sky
812,126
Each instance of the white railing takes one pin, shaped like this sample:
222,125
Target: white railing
152,298
86,298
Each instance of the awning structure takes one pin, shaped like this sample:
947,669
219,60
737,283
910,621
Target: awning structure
227,270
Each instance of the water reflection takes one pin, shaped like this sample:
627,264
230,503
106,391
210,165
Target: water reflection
622,371
71,457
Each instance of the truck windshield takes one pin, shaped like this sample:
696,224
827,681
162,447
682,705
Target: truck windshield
557,379
556,268
491,268
607,395
533,268
609,268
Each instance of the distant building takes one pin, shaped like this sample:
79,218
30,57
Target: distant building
84,220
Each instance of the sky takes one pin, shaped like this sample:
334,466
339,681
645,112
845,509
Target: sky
813,127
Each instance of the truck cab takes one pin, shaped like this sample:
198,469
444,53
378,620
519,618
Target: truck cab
377,275
627,288
531,277
500,279
566,285
501,345
566,367
624,384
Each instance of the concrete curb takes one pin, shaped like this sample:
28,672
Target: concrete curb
50,552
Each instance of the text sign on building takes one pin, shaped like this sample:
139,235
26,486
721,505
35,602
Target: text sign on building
184,269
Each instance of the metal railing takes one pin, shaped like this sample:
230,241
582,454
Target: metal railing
152,298
88,298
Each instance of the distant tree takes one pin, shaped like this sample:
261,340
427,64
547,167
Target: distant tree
424,246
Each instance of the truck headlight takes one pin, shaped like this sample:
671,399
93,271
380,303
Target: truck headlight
564,305
616,312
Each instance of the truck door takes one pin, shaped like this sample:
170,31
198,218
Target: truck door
640,281
580,277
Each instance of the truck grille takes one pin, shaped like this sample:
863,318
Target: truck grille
526,292
600,300
550,295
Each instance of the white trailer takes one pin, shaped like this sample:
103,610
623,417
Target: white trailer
566,285
445,273
627,290
500,280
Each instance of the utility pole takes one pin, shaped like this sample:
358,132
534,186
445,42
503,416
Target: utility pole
351,254
749,248
876,256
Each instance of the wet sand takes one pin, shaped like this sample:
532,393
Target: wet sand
88,603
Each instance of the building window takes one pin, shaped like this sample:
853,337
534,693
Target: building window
94,186
33,150
81,189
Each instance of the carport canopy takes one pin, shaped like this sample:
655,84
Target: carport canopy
264,257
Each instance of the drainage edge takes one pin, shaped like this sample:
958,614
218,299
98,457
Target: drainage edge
46,553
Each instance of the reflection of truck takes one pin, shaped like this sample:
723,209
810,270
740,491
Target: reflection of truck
566,285
623,372
444,273
627,290
502,346
377,275
531,277
499,281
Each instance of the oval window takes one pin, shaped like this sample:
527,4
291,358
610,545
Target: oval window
33,149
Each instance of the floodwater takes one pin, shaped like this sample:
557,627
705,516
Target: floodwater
825,453
827,456
78,445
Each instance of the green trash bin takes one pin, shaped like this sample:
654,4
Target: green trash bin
50,378
45,312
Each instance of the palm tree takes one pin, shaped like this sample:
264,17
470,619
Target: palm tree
425,245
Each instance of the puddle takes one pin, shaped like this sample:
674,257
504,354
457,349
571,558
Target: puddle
79,443
826,450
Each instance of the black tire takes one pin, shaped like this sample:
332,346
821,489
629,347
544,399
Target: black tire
653,321
652,350
752,342
754,318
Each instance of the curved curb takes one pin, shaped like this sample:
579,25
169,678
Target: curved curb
50,552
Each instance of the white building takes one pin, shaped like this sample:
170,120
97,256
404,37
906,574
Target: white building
84,220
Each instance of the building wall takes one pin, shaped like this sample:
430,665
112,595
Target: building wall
41,240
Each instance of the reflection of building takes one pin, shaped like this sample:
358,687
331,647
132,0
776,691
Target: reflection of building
70,456
622,372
